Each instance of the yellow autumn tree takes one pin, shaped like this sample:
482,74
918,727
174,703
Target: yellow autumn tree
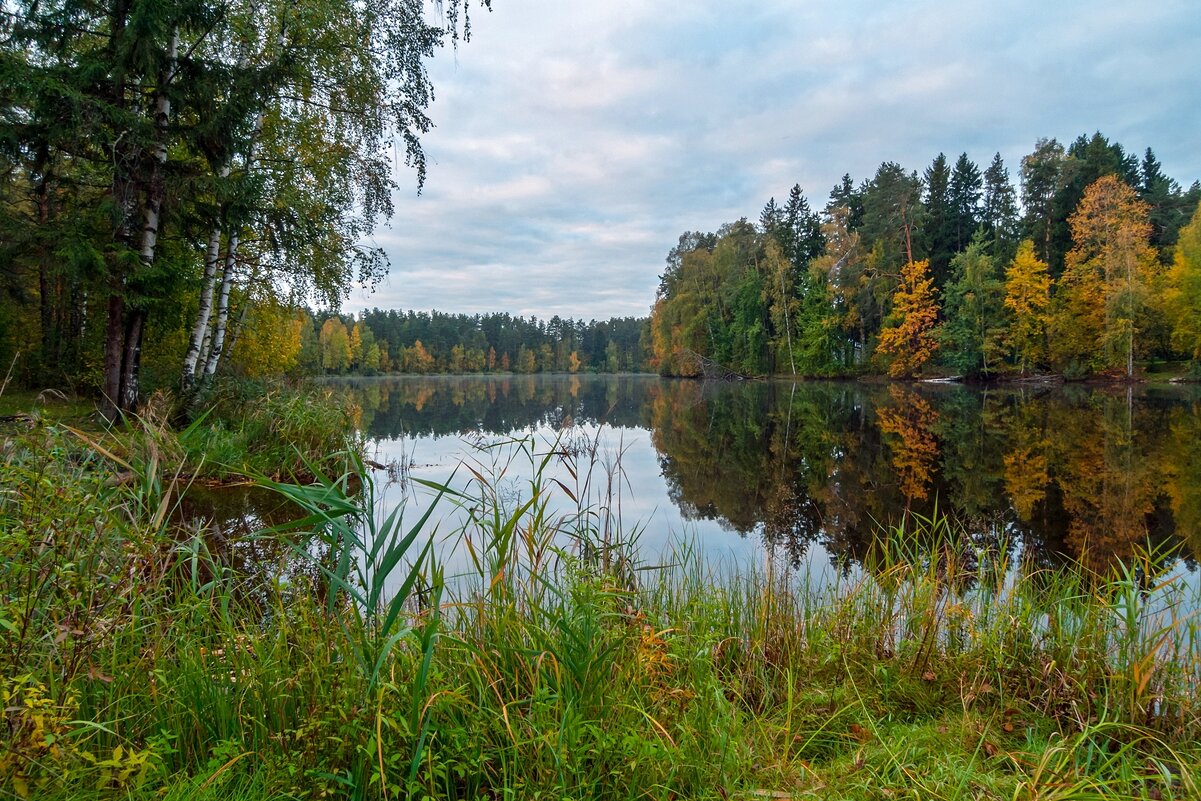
1183,301
1028,299
910,340
335,346
458,359
417,359
268,342
1102,295
356,345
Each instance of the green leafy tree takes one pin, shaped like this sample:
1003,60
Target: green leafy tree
185,152
782,302
974,307
820,349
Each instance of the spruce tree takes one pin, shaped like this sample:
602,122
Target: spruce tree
964,193
999,215
937,231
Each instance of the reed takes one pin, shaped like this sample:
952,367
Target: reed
139,661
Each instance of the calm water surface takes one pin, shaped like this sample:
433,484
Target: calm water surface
808,473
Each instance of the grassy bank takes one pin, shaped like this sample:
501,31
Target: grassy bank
246,428
142,657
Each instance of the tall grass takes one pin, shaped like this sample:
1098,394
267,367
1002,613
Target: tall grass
137,661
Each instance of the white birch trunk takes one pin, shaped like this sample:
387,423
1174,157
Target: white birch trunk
200,330
227,280
216,351
162,113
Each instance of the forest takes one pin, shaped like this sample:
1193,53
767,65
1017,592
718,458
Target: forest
171,172
1095,267
381,342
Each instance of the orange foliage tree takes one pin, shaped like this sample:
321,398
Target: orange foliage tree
910,340
417,359
1106,280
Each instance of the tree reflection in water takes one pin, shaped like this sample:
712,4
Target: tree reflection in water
1050,475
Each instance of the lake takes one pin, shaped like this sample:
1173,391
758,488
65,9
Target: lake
811,473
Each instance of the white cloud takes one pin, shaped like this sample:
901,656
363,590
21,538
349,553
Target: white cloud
576,141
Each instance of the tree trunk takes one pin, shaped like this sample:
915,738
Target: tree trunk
114,348
123,340
214,355
47,296
210,354
72,324
787,326
1130,352
131,361
152,211
200,330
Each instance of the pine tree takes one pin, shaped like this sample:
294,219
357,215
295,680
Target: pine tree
804,241
770,218
1042,173
845,195
893,217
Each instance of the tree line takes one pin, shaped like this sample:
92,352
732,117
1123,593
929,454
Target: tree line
1095,266
379,342
168,169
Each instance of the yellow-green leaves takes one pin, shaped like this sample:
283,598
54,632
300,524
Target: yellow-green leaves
1028,299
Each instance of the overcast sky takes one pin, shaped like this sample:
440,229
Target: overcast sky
576,140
